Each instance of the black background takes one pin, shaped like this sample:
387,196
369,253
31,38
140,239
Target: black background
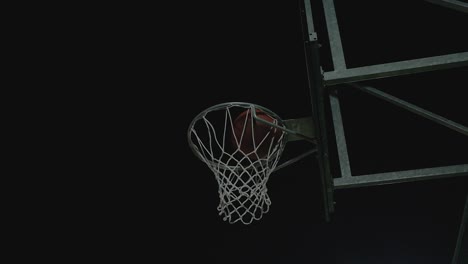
191,56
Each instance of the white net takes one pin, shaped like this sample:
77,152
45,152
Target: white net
242,158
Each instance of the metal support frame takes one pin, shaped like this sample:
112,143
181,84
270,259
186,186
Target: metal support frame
347,180
453,4
400,176
396,68
461,249
318,94
340,137
321,84
336,47
414,109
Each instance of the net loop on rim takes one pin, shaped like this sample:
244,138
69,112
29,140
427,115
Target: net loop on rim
241,174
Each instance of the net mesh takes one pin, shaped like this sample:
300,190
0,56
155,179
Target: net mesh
241,176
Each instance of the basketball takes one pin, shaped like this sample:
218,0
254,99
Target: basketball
260,137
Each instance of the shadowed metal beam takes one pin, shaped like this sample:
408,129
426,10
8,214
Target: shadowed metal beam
340,137
453,4
461,248
401,176
396,68
303,129
414,109
310,21
334,35
317,96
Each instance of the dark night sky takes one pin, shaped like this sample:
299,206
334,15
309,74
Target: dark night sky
253,52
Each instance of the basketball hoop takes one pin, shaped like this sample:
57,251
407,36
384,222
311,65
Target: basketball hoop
241,143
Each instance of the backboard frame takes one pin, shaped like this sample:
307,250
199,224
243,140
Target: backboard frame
322,86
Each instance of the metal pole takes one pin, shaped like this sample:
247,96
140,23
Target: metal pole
318,95
461,249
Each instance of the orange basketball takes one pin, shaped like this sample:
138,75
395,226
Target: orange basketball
260,137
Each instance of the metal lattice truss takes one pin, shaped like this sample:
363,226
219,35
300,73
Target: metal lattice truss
321,83
321,89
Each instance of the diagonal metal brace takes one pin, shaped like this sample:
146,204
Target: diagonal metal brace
414,109
453,4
